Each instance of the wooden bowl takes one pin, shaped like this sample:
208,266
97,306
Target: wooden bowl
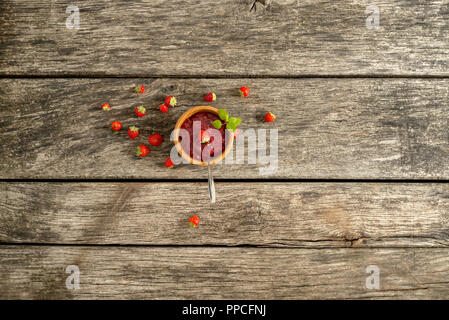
187,156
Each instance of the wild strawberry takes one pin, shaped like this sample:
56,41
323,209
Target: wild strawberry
155,139
116,126
244,92
205,138
140,88
133,132
106,107
269,117
194,221
236,133
169,163
210,97
142,150
163,108
140,111
170,101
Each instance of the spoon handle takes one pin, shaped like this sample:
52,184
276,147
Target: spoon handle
211,185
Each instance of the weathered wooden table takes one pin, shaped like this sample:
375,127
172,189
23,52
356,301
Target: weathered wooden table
363,174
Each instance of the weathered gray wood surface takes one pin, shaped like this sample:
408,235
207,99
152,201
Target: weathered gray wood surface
328,128
302,240
157,37
312,215
222,273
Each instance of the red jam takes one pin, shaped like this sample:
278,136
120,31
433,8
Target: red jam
196,150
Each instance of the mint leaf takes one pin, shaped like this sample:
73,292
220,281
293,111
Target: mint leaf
235,121
217,124
239,121
231,127
223,114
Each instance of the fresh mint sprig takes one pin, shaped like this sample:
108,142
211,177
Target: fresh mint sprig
231,122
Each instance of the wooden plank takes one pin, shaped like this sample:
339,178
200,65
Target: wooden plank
147,38
310,215
327,128
33,272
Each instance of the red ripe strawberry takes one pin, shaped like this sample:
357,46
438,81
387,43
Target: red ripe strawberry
194,221
116,126
163,108
140,111
170,101
169,163
210,97
133,132
269,117
205,138
155,139
236,133
106,107
142,150
244,92
140,88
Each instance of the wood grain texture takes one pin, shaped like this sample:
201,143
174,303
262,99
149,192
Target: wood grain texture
309,215
222,273
327,128
157,37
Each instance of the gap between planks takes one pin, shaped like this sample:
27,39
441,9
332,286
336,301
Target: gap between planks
231,76
225,180
224,246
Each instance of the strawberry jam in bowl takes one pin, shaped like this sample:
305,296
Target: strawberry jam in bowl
196,139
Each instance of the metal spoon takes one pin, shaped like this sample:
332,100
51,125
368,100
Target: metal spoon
211,184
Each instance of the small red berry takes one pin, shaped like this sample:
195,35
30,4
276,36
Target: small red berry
142,150
163,108
236,133
169,163
194,221
106,107
210,97
116,126
140,88
140,111
244,92
155,139
170,101
133,132
205,138
269,117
